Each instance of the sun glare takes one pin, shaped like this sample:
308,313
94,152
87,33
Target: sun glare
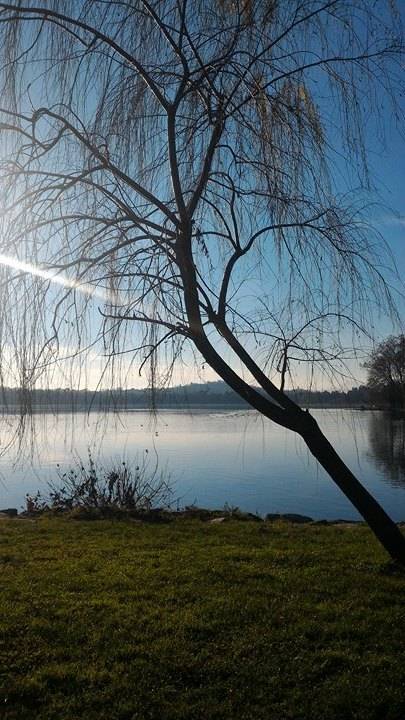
30,269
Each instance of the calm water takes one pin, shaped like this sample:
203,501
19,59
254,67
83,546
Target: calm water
218,457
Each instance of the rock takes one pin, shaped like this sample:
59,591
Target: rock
292,517
9,512
248,516
289,517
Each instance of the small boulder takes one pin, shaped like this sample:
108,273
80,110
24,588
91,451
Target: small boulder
9,512
289,517
294,518
248,516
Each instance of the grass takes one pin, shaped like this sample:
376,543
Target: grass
238,620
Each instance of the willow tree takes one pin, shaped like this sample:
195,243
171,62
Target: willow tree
172,184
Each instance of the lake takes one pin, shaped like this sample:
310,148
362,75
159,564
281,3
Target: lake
215,457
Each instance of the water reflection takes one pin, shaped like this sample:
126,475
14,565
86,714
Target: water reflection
386,434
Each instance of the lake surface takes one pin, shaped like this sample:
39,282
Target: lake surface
216,457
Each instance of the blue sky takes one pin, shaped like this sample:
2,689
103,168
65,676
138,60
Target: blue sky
387,214
388,174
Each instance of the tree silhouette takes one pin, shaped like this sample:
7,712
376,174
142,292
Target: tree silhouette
386,371
172,162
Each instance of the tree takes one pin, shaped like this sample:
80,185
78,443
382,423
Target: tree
386,371
172,162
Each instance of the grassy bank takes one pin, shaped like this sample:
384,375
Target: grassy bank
198,620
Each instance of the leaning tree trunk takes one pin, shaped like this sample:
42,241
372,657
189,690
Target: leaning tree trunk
380,523
303,423
291,416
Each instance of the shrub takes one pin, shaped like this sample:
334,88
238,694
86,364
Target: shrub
141,488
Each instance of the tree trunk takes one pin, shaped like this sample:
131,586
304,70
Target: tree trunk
303,423
380,523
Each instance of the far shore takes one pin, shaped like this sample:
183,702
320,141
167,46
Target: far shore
222,407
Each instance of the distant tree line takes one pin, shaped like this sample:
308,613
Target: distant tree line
213,394
385,389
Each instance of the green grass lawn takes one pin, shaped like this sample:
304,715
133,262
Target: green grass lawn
198,620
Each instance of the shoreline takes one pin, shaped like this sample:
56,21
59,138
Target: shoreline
113,408
160,515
